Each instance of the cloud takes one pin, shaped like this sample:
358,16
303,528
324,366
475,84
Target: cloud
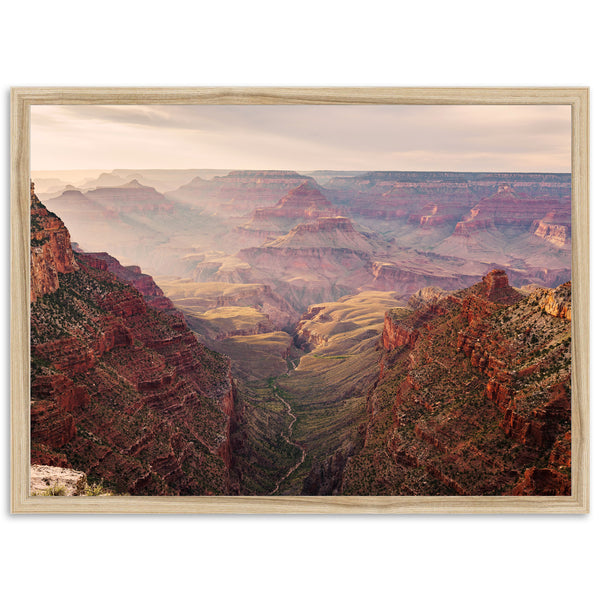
302,137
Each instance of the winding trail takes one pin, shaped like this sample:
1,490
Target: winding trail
288,440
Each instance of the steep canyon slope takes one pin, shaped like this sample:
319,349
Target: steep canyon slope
120,387
473,397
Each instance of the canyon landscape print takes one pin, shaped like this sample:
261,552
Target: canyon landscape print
301,300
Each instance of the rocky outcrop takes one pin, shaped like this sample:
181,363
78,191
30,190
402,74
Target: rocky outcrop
56,481
123,391
50,249
497,289
399,332
509,367
61,390
133,275
473,398
554,227
555,302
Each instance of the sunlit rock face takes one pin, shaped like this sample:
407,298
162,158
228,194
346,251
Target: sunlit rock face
473,397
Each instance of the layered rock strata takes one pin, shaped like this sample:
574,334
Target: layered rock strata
473,397
120,387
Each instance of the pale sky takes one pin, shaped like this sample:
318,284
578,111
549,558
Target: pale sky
302,137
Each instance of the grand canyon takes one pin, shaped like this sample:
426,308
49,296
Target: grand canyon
246,332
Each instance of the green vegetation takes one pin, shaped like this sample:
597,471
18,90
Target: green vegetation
96,489
53,490
328,390
256,357
262,455
218,323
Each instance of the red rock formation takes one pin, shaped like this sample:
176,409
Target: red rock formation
473,398
122,391
50,249
143,283
62,390
405,332
554,227
542,482
537,427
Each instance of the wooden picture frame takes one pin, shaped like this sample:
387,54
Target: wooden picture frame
22,99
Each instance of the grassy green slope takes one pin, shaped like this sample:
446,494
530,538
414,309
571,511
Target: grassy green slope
328,389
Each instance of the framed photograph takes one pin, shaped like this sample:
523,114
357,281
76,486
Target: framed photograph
300,300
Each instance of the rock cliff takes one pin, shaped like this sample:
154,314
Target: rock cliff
473,397
51,251
555,227
120,387
133,275
239,192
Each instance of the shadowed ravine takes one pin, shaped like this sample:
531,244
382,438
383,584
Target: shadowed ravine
287,438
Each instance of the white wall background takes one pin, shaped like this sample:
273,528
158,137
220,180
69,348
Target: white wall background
323,43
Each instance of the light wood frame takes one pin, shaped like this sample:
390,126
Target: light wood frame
21,101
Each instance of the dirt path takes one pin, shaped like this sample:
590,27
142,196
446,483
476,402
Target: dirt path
288,440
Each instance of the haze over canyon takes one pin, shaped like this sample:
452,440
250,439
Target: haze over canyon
325,332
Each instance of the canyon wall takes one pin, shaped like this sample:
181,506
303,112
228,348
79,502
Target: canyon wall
473,396
120,387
